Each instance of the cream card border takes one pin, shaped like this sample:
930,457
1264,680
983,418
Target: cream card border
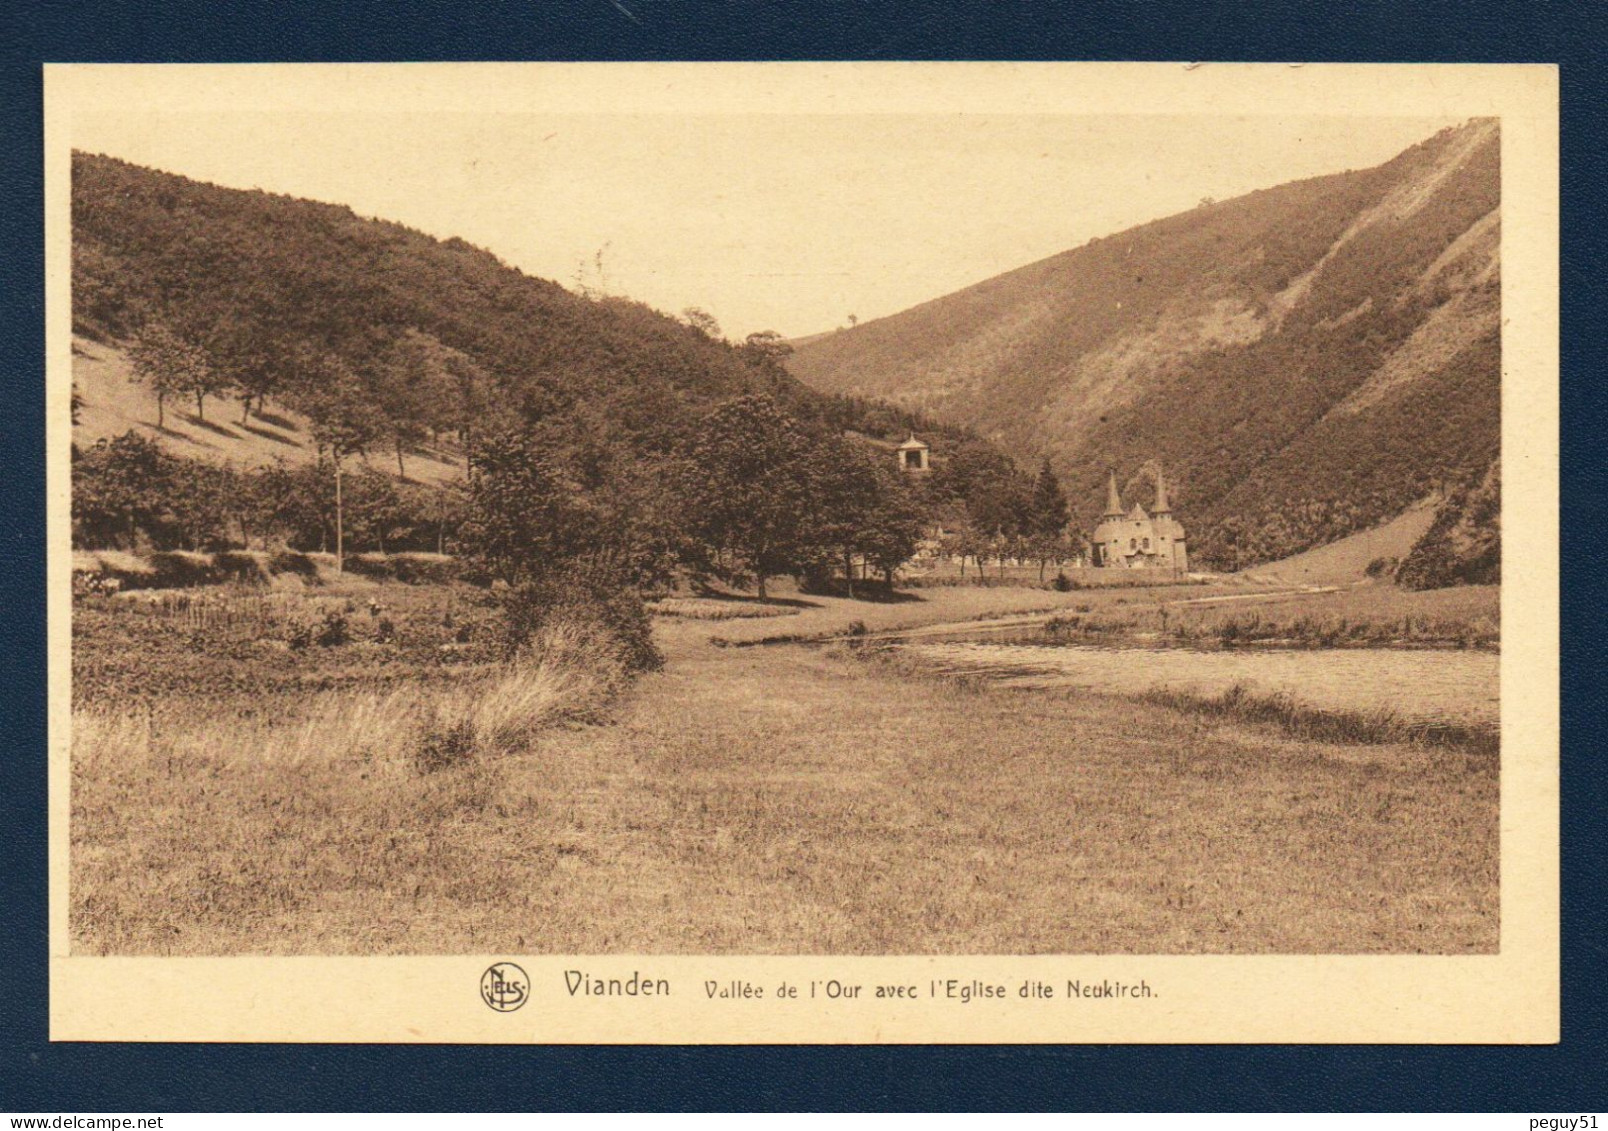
1509,997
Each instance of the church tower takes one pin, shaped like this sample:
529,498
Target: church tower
1162,509
1172,547
1113,498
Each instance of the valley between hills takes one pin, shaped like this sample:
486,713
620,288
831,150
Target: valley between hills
401,578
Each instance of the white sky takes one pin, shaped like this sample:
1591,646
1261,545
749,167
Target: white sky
788,222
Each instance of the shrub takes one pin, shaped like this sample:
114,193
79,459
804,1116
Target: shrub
243,566
442,744
1382,567
591,597
293,562
410,568
333,631
1062,583
180,569
424,569
565,674
376,566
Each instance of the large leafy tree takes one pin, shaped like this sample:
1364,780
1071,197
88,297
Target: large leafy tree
169,364
999,512
529,509
702,321
296,504
749,485
895,524
344,421
119,487
864,509
200,501
765,347
845,489
415,382
247,353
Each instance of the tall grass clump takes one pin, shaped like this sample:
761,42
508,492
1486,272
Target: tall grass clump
565,675
571,640
590,599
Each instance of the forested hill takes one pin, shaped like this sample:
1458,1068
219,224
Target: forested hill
373,327
1305,361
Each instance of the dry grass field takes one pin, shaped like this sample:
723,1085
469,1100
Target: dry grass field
744,800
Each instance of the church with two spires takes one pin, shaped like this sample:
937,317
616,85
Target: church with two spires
1137,539
1125,539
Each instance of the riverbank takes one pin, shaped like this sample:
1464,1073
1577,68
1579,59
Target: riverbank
1357,616
1449,688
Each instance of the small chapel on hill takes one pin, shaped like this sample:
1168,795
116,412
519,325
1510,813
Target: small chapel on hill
1138,539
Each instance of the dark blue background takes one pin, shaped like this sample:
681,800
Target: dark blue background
38,1076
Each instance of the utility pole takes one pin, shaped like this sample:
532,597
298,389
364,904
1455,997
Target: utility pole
340,540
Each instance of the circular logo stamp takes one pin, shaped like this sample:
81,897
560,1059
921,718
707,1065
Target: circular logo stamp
504,987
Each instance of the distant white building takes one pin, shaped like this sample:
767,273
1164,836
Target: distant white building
915,455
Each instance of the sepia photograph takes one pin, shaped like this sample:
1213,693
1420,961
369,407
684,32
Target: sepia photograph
693,532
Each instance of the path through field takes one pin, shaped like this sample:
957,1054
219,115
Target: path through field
806,799
789,799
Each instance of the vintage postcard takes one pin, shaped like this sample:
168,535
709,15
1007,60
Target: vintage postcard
841,553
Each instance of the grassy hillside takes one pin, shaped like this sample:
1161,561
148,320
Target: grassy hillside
1464,546
281,279
277,288
112,402
1375,552
1306,361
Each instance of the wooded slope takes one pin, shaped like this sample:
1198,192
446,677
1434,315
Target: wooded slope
1305,362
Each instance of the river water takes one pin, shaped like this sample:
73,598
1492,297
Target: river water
1431,685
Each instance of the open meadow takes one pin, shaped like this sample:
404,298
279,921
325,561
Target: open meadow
357,769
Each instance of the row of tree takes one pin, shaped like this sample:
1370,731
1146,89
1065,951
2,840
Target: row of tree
754,492
776,491
1015,520
410,387
581,422
129,492
751,493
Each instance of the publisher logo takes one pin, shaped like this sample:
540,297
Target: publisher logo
504,987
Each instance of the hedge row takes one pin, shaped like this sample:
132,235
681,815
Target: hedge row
184,569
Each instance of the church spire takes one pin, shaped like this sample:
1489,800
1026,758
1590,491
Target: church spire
1162,506
1113,499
